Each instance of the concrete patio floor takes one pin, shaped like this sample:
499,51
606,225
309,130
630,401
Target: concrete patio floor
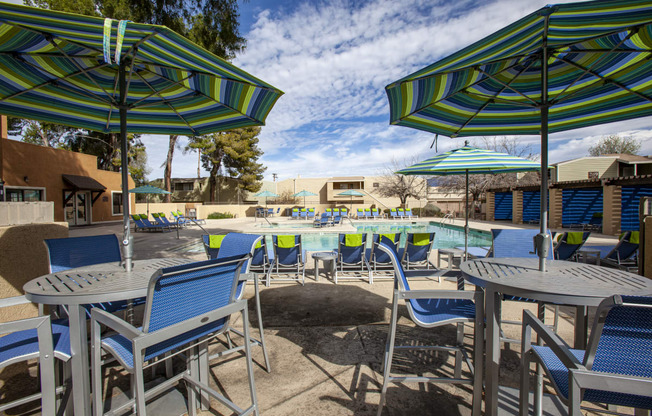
326,341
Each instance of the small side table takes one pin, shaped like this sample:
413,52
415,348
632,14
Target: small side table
451,254
596,252
326,257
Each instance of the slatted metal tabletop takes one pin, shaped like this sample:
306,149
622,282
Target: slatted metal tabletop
104,282
563,282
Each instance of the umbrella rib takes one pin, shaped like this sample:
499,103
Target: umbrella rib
166,102
602,79
154,92
508,85
588,70
491,100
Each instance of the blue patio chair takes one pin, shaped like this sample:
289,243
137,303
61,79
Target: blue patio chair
303,214
518,243
393,213
367,213
337,220
624,253
430,309
311,213
157,219
289,259
253,249
179,218
270,212
569,244
329,211
336,212
153,227
409,214
184,305
418,247
360,213
378,259
164,221
295,214
323,221
400,213
144,224
212,244
72,252
344,213
615,368
375,214
351,256
35,338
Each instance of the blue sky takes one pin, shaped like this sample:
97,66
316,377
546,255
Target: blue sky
333,60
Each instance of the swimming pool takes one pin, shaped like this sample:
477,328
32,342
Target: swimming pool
446,236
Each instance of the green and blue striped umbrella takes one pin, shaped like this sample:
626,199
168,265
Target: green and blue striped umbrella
118,76
562,67
470,160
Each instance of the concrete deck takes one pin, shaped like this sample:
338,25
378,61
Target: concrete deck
326,341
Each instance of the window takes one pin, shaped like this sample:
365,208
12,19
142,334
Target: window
25,194
376,185
116,203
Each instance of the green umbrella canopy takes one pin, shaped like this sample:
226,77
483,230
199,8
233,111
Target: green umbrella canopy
304,194
148,189
266,194
562,67
470,160
109,76
351,193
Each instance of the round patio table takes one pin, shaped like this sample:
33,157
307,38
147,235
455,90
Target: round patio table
106,282
328,258
563,283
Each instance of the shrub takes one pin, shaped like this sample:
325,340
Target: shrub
428,211
219,215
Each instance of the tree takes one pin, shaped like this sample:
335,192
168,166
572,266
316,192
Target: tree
614,144
401,186
167,173
236,152
44,134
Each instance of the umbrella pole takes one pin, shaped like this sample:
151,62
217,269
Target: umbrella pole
543,244
466,219
127,243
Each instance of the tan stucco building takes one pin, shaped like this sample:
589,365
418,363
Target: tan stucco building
600,167
82,194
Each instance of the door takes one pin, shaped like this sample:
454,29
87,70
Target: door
78,208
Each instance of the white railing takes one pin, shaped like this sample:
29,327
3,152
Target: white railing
447,217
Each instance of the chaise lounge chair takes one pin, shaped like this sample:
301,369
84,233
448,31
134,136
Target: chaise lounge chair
351,256
289,258
624,254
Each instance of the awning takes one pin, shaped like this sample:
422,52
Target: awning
82,183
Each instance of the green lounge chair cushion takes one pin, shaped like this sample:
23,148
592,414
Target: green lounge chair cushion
328,210
143,216
285,241
161,214
295,209
155,215
179,213
353,240
597,215
634,237
311,210
259,244
401,210
215,241
367,210
575,237
136,217
393,209
390,236
421,239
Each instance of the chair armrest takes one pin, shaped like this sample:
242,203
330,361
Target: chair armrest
13,301
438,294
111,321
552,340
23,324
613,383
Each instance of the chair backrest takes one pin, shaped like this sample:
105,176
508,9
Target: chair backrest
212,244
374,212
626,246
72,252
295,212
240,246
351,247
516,243
286,253
418,246
163,219
379,256
620,342
393,212
337,220
596,219
386,246
408,212
260,256
175,294
344,212
569,243
138,221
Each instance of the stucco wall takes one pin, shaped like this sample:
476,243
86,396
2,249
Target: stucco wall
28,165
12,213
23,258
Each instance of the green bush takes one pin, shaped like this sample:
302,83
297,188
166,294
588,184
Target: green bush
428,211
219,215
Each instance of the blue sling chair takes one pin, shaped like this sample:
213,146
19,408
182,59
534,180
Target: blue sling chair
378,259
430,309
418,247
185,304
569,244
236,245
289,259
351,256
30,339
615,369
517,243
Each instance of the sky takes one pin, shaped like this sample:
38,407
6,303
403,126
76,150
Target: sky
333,59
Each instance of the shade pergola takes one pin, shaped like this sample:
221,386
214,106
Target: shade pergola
562,67
119,77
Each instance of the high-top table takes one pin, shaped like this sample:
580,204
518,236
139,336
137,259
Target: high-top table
106,282
563,283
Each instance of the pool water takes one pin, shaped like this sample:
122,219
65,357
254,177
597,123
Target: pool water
446,236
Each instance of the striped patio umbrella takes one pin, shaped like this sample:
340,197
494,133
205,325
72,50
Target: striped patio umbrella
118,76
470,160
562,67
